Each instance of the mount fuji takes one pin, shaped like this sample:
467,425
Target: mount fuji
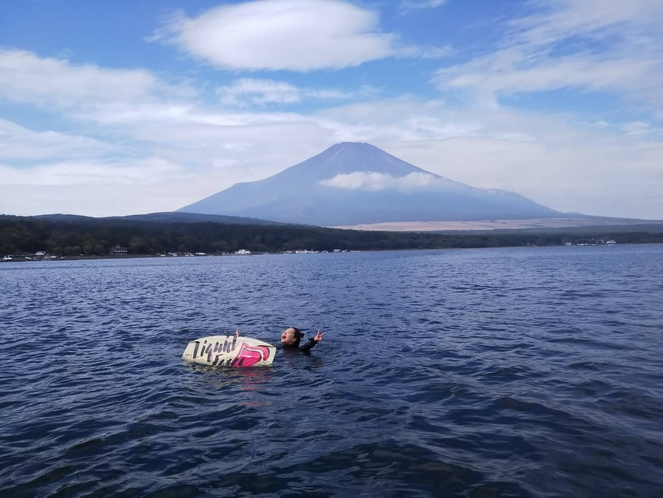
357,183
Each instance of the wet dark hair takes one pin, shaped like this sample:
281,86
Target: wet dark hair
298,335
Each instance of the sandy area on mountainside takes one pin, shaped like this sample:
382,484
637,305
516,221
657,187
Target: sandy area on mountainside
432,226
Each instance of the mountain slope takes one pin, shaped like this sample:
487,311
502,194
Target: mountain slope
352,183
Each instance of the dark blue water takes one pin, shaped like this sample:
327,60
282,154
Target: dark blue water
479,373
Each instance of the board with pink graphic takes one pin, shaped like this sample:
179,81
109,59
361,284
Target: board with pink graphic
229,351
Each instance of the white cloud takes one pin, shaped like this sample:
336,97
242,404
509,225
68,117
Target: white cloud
375,182
297,35
183,150
19,143
263,91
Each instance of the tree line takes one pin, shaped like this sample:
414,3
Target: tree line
27,235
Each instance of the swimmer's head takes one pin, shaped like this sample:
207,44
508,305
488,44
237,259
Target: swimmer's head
291,337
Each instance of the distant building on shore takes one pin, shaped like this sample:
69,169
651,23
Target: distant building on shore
119,251
243,252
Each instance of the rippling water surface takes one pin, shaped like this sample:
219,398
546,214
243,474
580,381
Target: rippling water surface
509,372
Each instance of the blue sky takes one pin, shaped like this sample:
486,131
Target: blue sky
119,107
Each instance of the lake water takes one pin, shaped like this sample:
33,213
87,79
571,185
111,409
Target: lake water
479,373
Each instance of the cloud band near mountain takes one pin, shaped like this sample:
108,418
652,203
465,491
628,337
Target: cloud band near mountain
377,182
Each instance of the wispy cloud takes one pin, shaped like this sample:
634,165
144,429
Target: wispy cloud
22,144
556,20
421,4
264,91
26,77
92,172
590,45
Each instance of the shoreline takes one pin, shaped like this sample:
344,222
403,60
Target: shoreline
22,259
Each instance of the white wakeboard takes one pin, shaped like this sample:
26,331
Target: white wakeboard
229,351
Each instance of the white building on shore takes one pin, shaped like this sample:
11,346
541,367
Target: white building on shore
119,251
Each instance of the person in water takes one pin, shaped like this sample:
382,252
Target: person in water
292,336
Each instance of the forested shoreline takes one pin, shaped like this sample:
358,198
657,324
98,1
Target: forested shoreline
96,237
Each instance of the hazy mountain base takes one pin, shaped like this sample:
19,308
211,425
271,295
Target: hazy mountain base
488,225
97,237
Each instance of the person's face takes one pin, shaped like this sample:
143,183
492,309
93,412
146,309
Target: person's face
288,337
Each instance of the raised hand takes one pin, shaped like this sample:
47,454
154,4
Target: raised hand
237,334
318,337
